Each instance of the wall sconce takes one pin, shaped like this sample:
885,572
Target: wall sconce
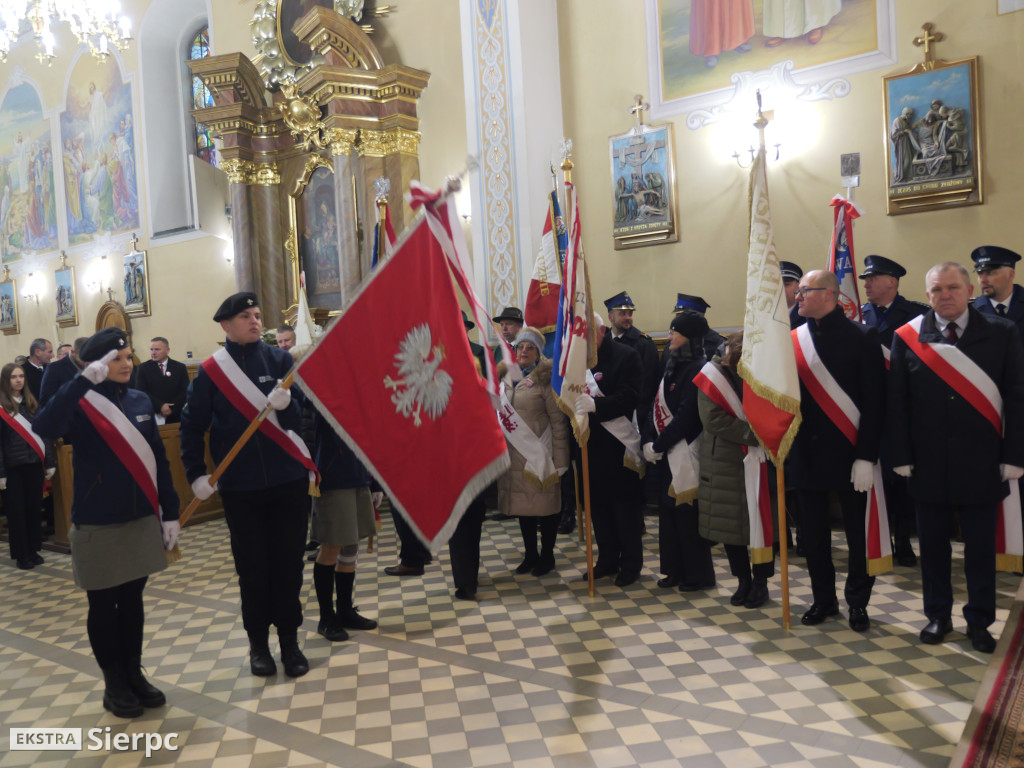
34,285
753,153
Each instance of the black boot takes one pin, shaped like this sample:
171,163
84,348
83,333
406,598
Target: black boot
742,590
118,696
323,583
567,523
344,581
528,528
548,534
261,663
758,594
147,694
295,664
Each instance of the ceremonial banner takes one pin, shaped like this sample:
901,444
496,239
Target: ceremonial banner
383,236
541,309
575,345
403,391
840,256
771,388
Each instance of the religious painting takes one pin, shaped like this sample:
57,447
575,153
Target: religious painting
933,137
9,307
643,187
67,297
135,273
702,53
28,203
98,139
319,243
289,12
1009,6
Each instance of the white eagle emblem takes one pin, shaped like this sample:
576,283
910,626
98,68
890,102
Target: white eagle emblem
426,389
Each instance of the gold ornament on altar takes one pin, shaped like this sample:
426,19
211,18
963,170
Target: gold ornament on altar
302,116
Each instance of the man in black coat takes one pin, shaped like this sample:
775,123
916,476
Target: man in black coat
887,310
621,329
615,501
999,294
826,457
164,380
956,457
61,371
40,353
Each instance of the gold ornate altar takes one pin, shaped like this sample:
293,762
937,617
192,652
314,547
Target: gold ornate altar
302,161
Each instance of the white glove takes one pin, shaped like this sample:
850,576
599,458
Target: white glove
862,475
1010,472
171,530
650,455
377,498
97,370
905,471
585,404
202,489
49,473
3,483
279,397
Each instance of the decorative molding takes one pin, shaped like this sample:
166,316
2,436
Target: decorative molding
391,142
238,171
342,140
265,175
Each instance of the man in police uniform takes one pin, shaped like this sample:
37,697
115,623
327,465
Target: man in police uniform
620,318
958,454
791,274
999,294
712,339
886,310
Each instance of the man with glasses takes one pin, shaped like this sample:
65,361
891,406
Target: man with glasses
842,399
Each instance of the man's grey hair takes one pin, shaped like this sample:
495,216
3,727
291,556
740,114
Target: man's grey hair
37,345
948,265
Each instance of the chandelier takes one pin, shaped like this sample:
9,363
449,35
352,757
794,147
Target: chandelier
95,23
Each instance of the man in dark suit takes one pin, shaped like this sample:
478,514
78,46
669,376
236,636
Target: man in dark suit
948,436
887,310
40,353
999,294
164,380
621,329
61,371
827,456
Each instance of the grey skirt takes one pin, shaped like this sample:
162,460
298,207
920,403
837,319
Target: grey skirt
343,516
104,556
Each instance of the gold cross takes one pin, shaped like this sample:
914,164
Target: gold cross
927,39
638,108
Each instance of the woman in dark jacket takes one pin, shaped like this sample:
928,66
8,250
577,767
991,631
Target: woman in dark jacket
671,438
124,513
723,498
25,461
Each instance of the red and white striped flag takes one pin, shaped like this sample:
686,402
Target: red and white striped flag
840,256
541,309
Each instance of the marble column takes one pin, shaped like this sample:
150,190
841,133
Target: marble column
245,273
268,234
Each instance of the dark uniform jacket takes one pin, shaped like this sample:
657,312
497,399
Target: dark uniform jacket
34,378
822,457
15,451
261,463
338,465
55,376
795,318
620,378
164,388
1014,313
105,492
954,450
900,312
643,345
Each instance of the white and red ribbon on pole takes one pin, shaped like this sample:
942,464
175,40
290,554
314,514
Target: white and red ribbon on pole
841,260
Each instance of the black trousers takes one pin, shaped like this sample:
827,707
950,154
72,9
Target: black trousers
268,541
22,501
464,546
411,551
616,510
978,527
115,622
740,567
816,536
685,554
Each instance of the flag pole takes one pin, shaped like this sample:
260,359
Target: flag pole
382,217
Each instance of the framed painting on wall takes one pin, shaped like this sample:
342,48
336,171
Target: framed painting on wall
66,296
9,305
643,187
933,137
315,238
135,272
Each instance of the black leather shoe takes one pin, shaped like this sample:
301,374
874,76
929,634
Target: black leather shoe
295,663
936,631
37,559
148,694
696,587
981,639
601,570
332,631
544,566
26,565
758,594
625,578
403,570
117,696
464,593
528,564
739,597
669,582
859,621
818,612
351,619
261,663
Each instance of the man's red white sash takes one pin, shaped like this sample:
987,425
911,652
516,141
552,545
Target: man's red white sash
23,427
713,383
623,430
127,443
249,401
967,379
845,414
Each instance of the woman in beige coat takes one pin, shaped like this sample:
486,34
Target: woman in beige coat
538,442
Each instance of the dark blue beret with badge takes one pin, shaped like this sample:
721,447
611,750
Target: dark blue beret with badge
686,301
101,342
619,301
988,257
879,265
235,304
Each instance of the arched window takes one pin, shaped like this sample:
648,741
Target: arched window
201,97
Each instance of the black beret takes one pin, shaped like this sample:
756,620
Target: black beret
879,265
101,342
992,257
690,323
514,314
232,305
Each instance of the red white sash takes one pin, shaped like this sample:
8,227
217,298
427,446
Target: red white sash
536,449
683,458
713,383
967,379
249,401
127,443
23,427
845,414
623,430
887,354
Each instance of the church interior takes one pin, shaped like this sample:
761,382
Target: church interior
251,146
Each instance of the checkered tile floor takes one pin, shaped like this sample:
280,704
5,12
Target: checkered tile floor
534,674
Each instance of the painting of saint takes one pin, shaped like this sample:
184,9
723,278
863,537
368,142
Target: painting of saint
319,244
67,310
28,206
8,308
98,152
136,284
